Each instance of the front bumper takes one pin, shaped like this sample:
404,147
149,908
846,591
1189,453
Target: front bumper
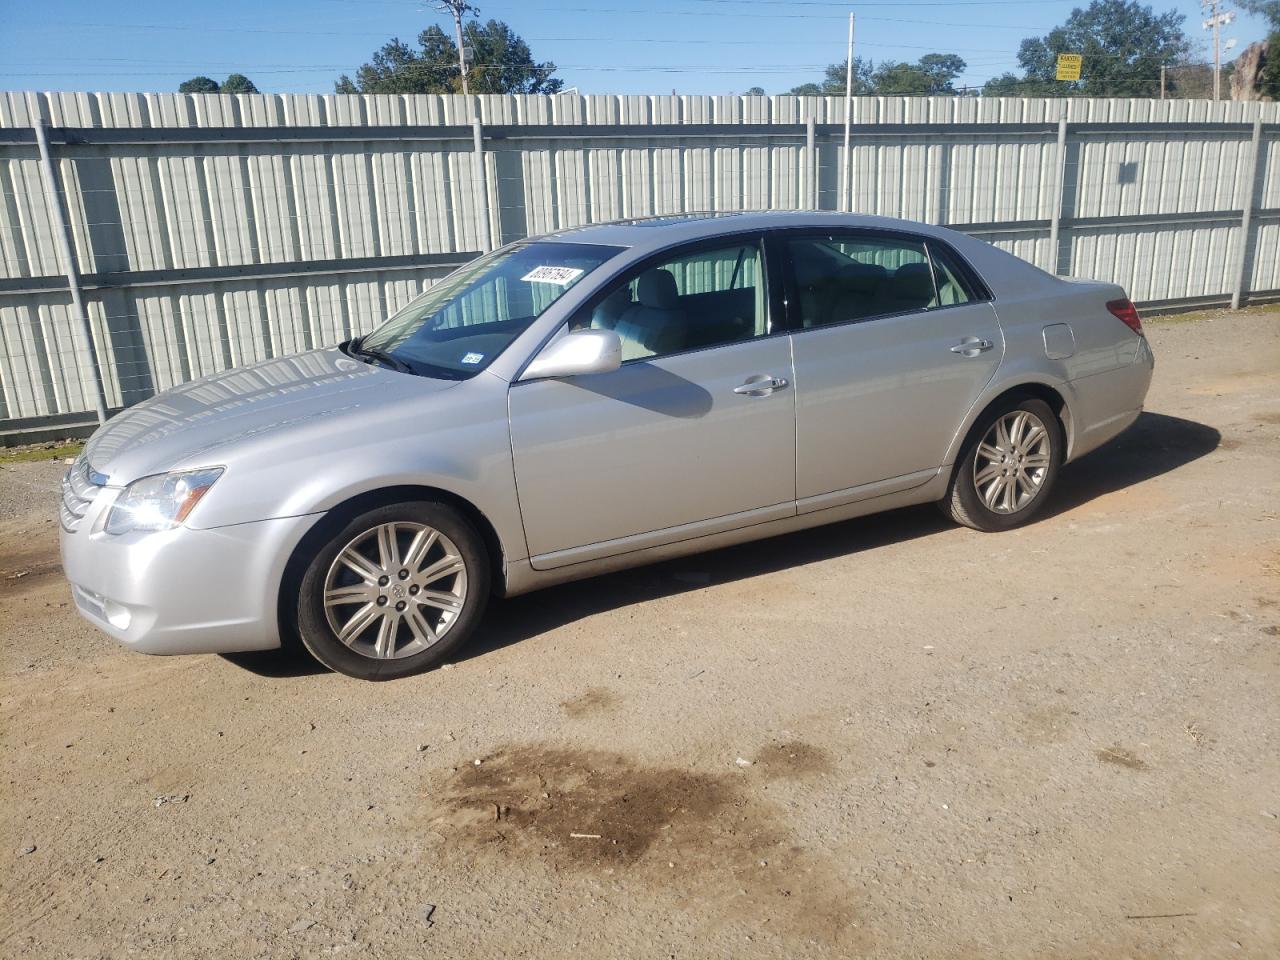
183,590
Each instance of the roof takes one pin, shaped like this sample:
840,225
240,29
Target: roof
660,232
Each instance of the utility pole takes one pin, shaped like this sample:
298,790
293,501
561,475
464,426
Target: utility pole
458,8
848,119
1218,19
1217,52
1163,70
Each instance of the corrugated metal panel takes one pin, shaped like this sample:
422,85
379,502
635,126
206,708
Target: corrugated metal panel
1266,257
1184,173
1269,174
167,206
1173,263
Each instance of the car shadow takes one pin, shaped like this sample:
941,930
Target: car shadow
1156,444
287,662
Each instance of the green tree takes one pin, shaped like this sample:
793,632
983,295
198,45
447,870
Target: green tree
1269,80
199,85
1269,77
1269,10
942,70
501,62
934,74
1005,85
755,92
833,82
238,83
1124,44
504,63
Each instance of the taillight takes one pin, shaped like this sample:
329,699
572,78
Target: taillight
1126,313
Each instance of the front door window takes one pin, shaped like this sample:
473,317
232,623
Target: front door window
702,299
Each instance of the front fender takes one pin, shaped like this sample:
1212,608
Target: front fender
458,441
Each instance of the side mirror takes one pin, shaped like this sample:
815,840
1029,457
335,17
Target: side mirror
577,353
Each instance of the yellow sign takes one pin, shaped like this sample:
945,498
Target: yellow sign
1069,66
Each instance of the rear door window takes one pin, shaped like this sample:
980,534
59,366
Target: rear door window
840,278
953,288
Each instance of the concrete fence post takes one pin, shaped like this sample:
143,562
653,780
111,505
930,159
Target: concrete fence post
1059,195
1242,259
66,253
482,186
811,151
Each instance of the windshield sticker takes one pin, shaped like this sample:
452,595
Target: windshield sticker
561,276
473,358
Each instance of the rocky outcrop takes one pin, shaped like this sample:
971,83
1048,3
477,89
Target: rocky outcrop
1246,79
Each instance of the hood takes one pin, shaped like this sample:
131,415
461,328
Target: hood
195,424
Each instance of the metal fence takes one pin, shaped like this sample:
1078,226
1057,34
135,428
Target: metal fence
210,231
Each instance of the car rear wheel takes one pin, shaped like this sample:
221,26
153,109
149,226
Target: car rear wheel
394,591
1008,466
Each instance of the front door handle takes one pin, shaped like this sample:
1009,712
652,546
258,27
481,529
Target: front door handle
972,346
761,385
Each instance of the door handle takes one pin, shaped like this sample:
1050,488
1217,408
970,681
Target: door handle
972,346
760,385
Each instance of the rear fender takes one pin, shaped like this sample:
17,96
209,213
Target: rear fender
1014,378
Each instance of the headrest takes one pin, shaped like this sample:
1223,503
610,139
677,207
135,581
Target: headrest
657,290
605,316
913,281
862,277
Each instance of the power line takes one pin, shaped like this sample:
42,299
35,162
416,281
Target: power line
792,15
62,28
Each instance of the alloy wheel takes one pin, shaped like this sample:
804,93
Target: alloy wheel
1012,462
395,590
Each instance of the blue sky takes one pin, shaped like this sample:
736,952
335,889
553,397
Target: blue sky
601,46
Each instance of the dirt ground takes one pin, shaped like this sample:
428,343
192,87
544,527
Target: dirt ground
888,738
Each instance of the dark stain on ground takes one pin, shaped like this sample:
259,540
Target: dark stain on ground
700,835
793,760
593,701
25,565
1268,417
1121,758
541,798
1047,724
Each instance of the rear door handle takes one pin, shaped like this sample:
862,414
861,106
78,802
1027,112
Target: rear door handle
760,385
972,346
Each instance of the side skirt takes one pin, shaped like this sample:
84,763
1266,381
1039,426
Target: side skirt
523,578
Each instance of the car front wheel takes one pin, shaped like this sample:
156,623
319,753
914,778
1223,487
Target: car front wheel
394,591
1008,466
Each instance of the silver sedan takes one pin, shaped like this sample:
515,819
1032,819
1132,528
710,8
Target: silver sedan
595,399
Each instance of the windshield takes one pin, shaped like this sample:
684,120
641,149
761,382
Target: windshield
461,324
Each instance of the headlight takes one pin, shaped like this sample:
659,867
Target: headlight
160,502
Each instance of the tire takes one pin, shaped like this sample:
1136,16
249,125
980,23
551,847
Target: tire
395,626
1001,495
